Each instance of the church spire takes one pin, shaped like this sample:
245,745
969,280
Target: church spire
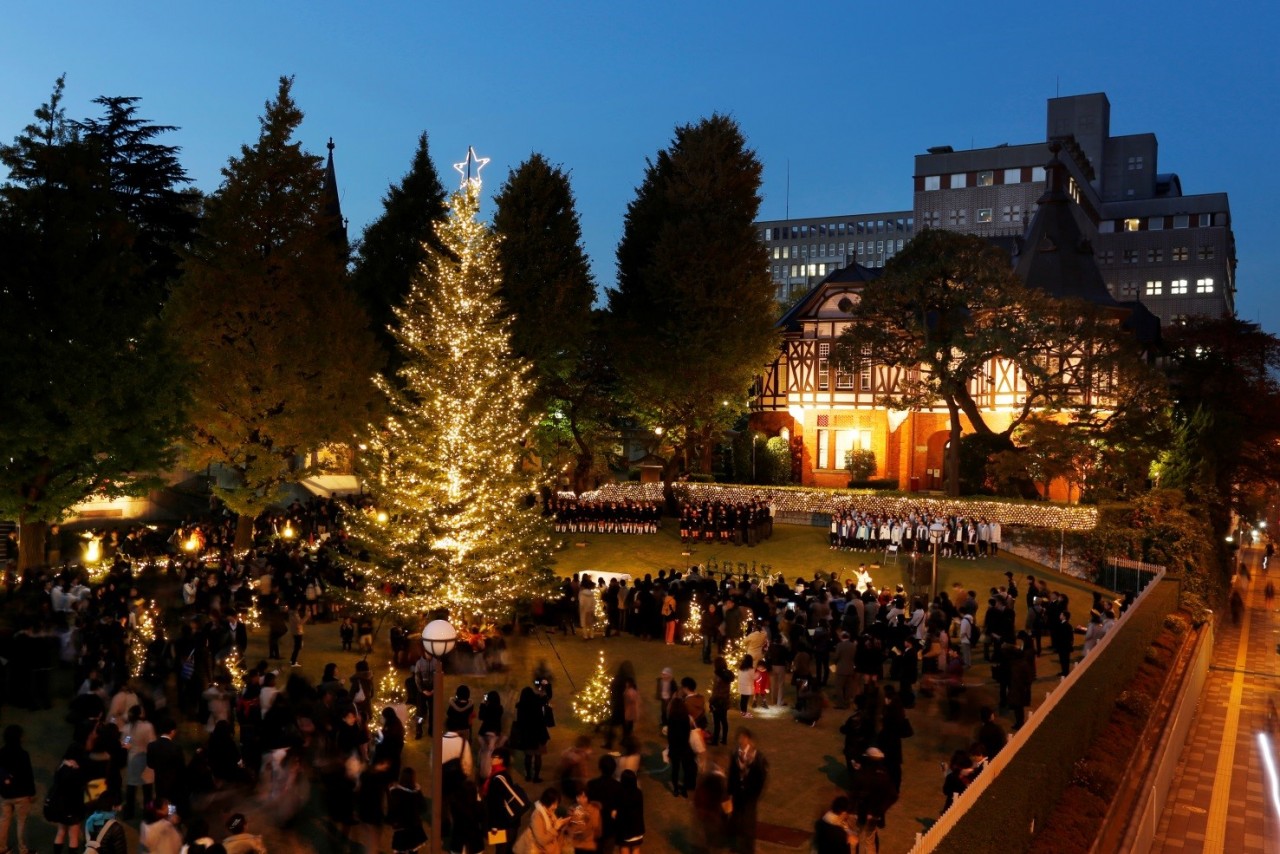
332,205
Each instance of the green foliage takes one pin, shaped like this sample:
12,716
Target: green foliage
777,454
861,463
398,242
280,347
548,292
91,219
691,321
976,453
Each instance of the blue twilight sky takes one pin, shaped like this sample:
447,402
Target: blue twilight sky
846,92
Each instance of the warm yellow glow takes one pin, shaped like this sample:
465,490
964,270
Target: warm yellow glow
192,543
382,517
592,704
288,533
93,551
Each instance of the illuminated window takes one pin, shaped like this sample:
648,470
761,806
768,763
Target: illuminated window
984,215
1155,287
768,234
1132,224
1204,286
1180,253
864,375
824,366
823,446
1178,286
986,179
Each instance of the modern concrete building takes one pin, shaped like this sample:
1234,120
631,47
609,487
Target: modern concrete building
1174,252
802,252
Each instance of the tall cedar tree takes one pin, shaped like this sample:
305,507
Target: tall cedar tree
393,248
279,346
454,525
90,219
692,318
949,305
548,291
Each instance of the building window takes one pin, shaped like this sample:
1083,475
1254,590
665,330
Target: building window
1178,286
861,247
1155,223
932,219
1011,213
933,182
1155,256
1204,286
1205,253
1181,221
1132,224
1013,176
1135,163
1128,289
1037,173
986,179
1206,220
824,365
1107,256
813,269
959,181
957,217
1155,287
1131,256
1180,253
823,445
984,215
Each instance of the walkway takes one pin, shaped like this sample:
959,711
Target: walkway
1220,797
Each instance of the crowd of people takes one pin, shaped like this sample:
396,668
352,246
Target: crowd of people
736,522
819,643
959,537
570,514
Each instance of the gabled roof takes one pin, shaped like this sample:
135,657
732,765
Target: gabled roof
853,274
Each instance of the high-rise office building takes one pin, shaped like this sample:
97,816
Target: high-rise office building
804,251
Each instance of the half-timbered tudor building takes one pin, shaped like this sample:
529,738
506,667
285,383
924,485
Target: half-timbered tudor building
828,411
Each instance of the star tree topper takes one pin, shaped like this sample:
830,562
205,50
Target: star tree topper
464,168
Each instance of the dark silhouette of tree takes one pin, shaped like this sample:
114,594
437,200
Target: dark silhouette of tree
398,243
90,224
692,317
280,348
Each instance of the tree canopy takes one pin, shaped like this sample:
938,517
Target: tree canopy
91,219
692,317
279,347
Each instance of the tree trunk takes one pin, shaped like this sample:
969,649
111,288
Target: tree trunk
669,469
583,464
951,478
244,532
31,537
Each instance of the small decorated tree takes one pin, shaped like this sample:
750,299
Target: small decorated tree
593,703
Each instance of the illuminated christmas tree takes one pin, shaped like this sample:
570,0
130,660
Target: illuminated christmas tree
691,632
454,526
592,704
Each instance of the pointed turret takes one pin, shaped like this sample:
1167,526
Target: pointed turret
332,204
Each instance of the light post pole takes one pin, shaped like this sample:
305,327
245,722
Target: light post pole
935,537
438,638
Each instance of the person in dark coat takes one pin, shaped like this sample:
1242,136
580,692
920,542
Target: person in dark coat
748,773
504,801
64,803
831,832
679,751
629,823
1063,638
873,792
17,787
165,758
605,791
405,804
529,733
892,730
1022,669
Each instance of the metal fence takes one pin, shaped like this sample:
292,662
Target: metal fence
1124,575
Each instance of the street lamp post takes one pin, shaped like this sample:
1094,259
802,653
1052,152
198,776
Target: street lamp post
935,537
438,638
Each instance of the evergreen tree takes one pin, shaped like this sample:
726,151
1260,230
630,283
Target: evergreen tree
548,290
393,248
455,526
594,703
93,393
692,316
280,348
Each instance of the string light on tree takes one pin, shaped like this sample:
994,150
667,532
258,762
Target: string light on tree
455,528
692,632
593,703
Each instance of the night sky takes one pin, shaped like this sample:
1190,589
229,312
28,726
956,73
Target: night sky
846,93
